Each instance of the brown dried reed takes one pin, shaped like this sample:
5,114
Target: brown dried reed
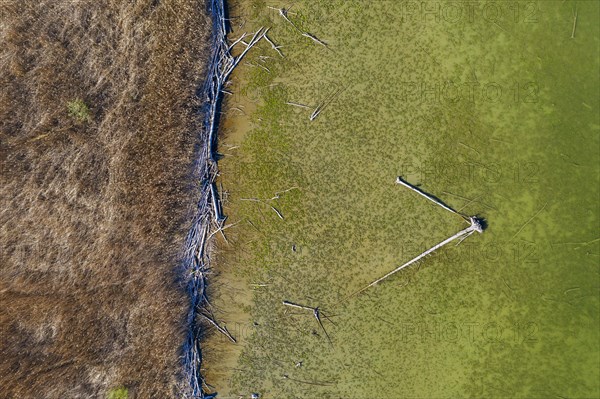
93,214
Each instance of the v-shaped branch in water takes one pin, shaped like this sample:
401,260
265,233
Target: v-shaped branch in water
475,225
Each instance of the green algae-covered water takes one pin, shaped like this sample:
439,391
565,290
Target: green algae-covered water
490,106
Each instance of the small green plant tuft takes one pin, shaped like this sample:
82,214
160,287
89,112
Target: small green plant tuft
79,110
118,393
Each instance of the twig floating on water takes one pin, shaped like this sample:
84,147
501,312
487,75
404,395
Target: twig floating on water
284,13
469,200
529,221
469,203
232,45
295,305
221,228
277,194
298,105
431,198
277,212
322,106
319,383
263,202
273,46
574,23
469,147
314,38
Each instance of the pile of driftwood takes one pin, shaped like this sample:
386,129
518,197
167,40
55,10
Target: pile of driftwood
209,214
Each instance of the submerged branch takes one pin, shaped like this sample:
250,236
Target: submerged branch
316,312
222,330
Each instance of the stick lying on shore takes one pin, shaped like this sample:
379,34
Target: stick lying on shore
476,225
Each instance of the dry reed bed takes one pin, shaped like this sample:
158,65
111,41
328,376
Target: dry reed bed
94,213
